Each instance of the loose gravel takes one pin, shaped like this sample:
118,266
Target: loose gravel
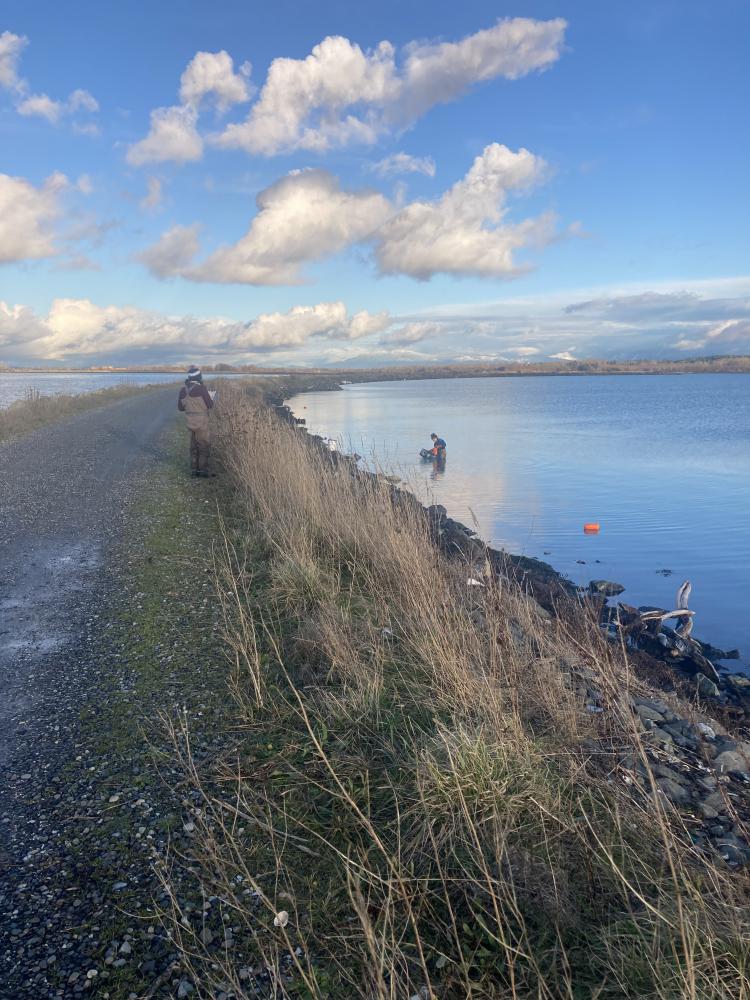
88,509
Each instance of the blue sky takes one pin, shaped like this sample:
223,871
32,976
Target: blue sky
497,181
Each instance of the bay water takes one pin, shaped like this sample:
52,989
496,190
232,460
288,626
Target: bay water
660,462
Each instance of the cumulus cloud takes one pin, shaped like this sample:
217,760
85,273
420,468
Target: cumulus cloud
172,136
80,328
212,73
302,217
307,215
340,94
27,217
172,253
295,327
464,231
39,105
403,163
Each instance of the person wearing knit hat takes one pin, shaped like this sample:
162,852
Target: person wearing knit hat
195,401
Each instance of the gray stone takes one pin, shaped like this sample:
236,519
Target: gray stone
674,792
707,811
645,713
659,736
706,687
184,989
605,588
731,760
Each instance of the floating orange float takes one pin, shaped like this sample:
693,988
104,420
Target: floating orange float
591,529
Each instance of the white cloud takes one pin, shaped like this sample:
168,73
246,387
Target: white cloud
303,102
511,49
213,73
339,94
173,252
27,217
564,355
719,335
172,136
42,106
82,100
79,327
154,196
39,105
412,333
11,47
464,231
302,217
403,163
298,325
307,216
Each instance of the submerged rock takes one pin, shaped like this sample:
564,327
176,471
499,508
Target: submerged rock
605,588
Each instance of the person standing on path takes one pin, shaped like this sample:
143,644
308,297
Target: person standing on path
195,401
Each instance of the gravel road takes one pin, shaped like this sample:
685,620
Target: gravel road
66,492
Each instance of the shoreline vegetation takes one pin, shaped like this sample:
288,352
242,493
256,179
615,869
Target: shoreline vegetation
722,364
36,409
445,781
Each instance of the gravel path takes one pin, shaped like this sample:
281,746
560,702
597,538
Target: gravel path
66,492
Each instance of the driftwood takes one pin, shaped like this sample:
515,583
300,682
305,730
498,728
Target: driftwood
650,622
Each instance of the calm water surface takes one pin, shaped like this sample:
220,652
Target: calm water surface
15,386
661,462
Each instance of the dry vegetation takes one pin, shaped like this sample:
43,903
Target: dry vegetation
416,784
36,409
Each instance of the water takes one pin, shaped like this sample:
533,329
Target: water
14,386
661,462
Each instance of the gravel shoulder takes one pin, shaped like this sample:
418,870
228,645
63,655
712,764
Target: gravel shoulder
98,526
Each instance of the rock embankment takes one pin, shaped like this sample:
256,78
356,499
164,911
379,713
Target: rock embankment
680,752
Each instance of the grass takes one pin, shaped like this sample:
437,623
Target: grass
36,409
416,798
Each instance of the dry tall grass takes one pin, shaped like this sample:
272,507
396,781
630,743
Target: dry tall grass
418,785
36,409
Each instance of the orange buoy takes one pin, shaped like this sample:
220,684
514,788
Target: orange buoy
591,529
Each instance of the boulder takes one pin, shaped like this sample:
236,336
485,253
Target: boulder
706,687
674,792
731,760
605,588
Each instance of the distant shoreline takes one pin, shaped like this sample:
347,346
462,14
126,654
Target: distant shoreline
693,366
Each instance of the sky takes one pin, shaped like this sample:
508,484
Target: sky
359,184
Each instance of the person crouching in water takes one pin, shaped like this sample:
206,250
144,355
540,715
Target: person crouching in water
438,447
195,401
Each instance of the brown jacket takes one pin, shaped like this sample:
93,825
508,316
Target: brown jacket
195,402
